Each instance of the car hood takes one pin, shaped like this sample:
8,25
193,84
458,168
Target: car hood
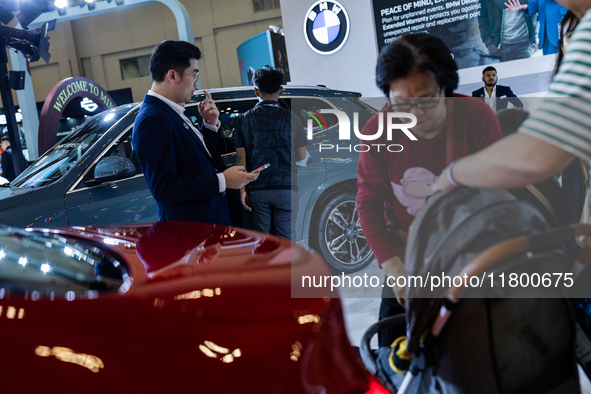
187,261
13,196
210,308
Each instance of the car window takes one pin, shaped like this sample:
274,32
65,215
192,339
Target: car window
47,265
229,112
122,147
308,109
65,154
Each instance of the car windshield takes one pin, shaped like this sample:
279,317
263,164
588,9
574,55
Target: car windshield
61,157
50,265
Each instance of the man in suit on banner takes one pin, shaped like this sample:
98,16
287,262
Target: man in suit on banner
496,96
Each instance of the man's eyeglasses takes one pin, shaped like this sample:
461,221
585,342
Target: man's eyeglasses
420,103
194,76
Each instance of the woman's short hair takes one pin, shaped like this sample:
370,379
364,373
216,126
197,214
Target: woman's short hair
421,53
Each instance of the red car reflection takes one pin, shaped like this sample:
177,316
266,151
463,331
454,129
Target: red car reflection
167,308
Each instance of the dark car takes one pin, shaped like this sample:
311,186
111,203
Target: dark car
168,308
92,176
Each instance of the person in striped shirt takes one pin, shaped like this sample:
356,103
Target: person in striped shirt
557,131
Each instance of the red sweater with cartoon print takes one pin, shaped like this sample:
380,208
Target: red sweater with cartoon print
392,186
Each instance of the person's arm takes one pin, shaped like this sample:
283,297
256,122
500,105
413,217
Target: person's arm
484,25
514,161
394,267
513,98
300,141
212,128
516,102
209,112
241,157
300,153
529,8
241,161
211,125
373,190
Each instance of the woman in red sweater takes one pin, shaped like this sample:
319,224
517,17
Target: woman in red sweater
418,74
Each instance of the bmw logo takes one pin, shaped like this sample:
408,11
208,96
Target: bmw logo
326,27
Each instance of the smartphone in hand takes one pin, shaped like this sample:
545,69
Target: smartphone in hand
261,168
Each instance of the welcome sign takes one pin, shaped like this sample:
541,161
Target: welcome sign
58,99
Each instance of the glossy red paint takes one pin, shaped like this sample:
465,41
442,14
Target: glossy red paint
208,310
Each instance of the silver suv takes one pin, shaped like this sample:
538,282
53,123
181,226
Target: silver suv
92,177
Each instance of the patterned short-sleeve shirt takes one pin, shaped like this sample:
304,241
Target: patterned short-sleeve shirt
564,119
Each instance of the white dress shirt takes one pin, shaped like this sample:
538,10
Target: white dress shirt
492,99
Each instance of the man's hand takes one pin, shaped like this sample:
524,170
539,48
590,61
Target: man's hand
515,5
394,267
245,199
208,110
237,177
493,50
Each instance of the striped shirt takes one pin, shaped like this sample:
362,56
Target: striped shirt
564,119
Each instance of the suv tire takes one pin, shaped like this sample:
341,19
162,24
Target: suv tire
340,238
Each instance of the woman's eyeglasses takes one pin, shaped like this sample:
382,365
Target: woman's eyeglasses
420,103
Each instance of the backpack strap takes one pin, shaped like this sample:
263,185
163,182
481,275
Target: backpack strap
541,198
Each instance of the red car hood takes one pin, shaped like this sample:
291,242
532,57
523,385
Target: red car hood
208,309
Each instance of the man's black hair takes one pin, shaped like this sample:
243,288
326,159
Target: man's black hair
422,53
489,68
171,55
268,80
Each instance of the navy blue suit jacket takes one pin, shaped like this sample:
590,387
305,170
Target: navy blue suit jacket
179,172
504,95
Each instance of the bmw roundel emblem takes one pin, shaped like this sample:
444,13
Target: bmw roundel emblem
326,27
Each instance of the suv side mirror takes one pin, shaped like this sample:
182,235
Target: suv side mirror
112,168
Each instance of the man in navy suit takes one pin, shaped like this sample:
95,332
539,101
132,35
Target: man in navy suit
184,172
496,96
